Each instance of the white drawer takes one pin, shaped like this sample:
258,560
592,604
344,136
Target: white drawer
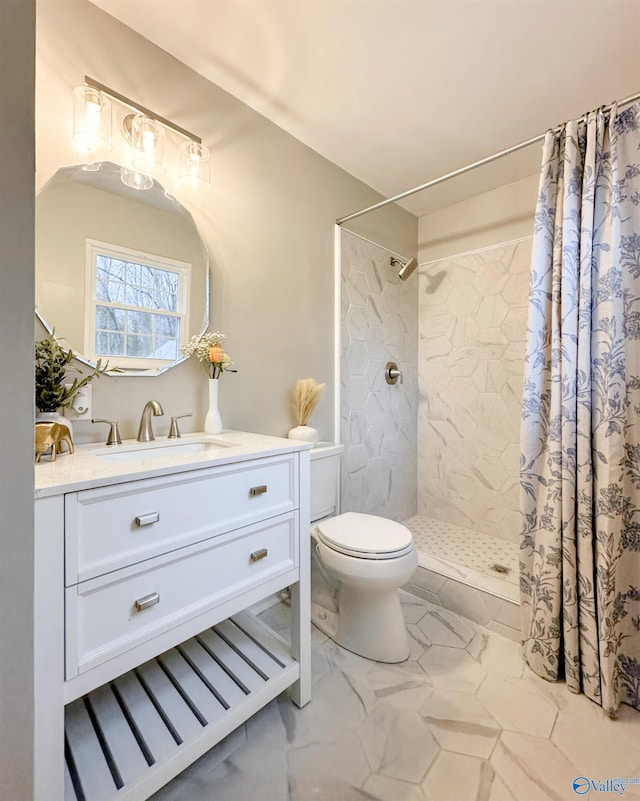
102,620
113,527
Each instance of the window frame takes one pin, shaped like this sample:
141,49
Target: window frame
95,248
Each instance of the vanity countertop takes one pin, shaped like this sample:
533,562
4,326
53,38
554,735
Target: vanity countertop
95,465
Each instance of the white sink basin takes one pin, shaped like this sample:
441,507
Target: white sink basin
161,450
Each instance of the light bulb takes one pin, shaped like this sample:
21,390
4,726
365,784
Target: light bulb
147,141
91,120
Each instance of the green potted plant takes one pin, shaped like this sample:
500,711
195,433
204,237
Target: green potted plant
53,366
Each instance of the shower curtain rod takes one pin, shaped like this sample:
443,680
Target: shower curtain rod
469,167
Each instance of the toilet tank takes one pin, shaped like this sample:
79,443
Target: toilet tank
325,480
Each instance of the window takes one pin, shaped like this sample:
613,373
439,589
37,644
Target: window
138,301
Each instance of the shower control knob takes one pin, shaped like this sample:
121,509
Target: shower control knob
392,373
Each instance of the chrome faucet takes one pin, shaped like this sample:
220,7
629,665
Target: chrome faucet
145,432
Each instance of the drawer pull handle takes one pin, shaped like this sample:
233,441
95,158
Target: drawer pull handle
258,490
257,555
147,601
147,520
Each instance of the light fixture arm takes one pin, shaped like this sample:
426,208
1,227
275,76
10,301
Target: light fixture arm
125,101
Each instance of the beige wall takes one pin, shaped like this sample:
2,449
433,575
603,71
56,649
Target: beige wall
502,215
17,35
268,223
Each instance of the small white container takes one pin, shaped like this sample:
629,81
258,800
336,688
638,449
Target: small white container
305,434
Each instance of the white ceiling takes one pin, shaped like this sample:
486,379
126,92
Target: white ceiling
399,92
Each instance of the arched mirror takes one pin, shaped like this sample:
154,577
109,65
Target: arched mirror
122,274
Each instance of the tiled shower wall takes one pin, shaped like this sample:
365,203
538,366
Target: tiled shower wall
473,320
378,421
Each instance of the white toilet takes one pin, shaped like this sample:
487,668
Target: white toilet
365,559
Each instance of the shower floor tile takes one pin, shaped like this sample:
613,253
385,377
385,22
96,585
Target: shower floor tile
463,554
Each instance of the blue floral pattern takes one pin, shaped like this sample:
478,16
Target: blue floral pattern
580,436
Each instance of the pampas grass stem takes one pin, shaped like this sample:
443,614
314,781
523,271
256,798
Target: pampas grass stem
306,395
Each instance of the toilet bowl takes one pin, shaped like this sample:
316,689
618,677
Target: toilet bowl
365,559
371,558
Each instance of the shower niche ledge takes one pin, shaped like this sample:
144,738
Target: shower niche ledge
149,572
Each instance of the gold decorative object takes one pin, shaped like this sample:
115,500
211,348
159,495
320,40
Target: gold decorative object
52,436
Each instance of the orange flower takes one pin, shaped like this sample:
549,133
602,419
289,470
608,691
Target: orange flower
216,354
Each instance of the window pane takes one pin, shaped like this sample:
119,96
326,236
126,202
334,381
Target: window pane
140,323
102,271
110,291
147,275
167,281
140,274
166,301
113,268
167,326
137,296
110,267
109,344
162,301
166,349
102,288
155,301
109,318
116,291
139,346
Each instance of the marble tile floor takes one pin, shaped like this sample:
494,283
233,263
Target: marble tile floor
462,720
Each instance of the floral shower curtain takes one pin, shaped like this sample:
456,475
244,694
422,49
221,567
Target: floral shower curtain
580,437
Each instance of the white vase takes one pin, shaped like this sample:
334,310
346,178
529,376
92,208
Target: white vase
213,421
304,433
54,417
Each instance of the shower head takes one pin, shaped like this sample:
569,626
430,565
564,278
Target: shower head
406,267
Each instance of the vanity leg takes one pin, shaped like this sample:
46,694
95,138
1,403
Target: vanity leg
301,594
301,643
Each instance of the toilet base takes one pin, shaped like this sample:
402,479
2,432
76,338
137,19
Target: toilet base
325,620
373,626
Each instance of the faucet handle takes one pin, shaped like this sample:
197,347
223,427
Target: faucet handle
174,431
114,434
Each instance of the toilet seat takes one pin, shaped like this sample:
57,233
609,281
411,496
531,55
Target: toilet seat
365,536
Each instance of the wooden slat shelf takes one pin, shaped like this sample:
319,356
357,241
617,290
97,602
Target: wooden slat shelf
129,737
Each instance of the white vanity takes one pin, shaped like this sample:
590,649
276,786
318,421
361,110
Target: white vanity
147,559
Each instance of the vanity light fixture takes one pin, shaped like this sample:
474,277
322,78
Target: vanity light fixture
145,132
